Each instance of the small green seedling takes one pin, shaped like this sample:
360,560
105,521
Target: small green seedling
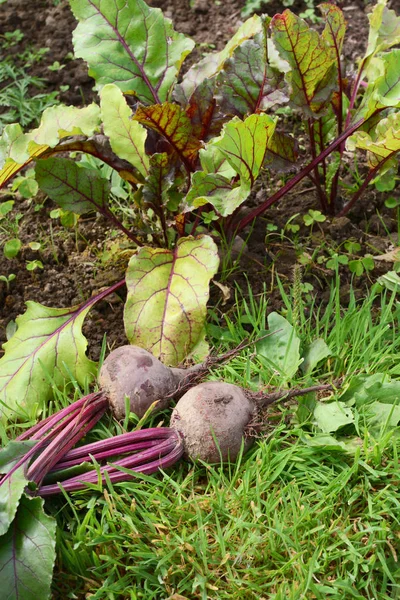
7,280
32,265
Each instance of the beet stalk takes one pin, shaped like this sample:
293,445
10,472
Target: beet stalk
147,451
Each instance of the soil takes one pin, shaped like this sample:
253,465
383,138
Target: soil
73,269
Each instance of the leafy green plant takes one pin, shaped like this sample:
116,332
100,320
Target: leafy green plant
191,151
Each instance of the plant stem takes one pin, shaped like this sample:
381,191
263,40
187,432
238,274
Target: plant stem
265,399
161,455
371,174
297,178
320,191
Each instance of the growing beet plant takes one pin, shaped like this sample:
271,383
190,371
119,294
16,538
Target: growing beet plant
190,153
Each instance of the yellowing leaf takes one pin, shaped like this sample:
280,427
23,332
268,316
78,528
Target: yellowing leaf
384,29
127,137
48,341
168,291
381,144
17,149
217,190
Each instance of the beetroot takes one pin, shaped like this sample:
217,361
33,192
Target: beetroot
212,419
130,371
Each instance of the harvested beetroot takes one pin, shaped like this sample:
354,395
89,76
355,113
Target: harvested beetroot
130,371
212,419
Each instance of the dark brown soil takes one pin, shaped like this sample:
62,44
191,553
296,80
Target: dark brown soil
73,270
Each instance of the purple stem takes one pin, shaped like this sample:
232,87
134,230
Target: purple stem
372,173
162,456
98,456
54,438
119,441
295,180
43,426
67,438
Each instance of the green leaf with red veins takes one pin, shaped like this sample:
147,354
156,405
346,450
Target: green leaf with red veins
211,64
130,44
127,137
281,153
27,553
217,190
381,144
383,89
384,29
213,161
244,144
335,27
173,124
48,343
168,290
74,188
247,83
313,74
160,180
18,149
203,113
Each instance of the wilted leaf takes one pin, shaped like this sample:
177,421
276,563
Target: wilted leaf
218,191
74,188
47,341
244,144
127,137
11,490
392,256
225,291
312,60
27,553
281,350
172,122
17,149
390,280
167,295
129,44
331,416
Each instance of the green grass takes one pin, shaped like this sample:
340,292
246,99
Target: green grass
290,520
20,101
